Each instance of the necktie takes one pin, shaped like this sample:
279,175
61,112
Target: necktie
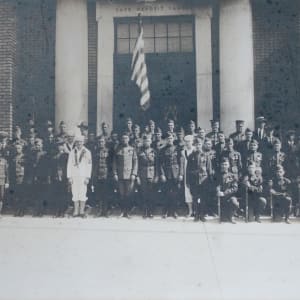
76,157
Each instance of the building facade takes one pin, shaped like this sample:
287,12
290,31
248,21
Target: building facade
228,59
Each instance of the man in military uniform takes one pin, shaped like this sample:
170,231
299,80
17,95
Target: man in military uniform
62,130
171,174
280,189
180,139
59,179
158,142
147,175
198,172
253,184
171,129
41,176
105,132
201,134
136,141
16,175
4,179
220,147
125,166
276,157
289,147
191,130
84,130
227,187
69,141
268,141
129,128
152,127
234,158
213,135
239,135
17,137
252,156
102,168
79,171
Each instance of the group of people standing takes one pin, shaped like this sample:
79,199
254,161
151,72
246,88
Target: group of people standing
248,173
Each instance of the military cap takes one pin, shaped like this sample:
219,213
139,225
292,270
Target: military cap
221,132
83,125
254,141
101,137
207,139
189,138
38,141
261,119
198,140
180,130
248,130
151,122
242,122
158,130
171,121
214,121
191,122
224,159
125,133
3,135
229,140
104,123
170,134
62,123
200,129
128,119
49,123
279,168
136,126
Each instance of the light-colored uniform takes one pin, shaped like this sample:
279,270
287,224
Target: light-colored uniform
79,168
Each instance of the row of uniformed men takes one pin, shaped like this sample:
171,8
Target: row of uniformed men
175,164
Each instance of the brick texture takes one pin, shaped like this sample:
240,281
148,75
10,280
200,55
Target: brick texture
7,63
35,61
276,27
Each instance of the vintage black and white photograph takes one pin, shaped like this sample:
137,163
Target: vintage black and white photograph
149,149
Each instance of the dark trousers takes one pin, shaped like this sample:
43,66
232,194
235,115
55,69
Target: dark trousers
19,198
2,196
103,193
229,206
60,197
41,190
281,206
125,190
199,193
171,190
147,192
256,204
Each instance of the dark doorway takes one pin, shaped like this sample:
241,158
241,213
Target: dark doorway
171,73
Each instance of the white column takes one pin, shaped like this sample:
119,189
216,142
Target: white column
203,67
105,70
236,64
71,62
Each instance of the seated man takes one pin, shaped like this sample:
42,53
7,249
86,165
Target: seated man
227,187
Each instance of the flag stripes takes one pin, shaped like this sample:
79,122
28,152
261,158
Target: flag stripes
139,71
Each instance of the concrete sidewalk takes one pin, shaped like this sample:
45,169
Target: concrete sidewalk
147,259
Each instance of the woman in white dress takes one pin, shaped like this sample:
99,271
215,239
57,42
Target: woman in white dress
188,149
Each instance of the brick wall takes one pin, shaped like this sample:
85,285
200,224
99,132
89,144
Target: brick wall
92,65
7,62
35,61
276,26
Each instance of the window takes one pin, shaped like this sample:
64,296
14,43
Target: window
160,35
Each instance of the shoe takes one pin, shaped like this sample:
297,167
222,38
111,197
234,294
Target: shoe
144,216
150,216
196,219
164,216
75,216
175,216
202,219
126,216
232,221
287,221
257,219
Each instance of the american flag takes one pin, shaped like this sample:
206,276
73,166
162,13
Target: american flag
139,70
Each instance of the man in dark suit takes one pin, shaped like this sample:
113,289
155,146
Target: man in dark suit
260,131
239,135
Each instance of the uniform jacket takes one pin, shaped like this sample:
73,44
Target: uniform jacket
214,137
275,159
282,186
171,162
125,162
17,169
198,168
235,161
228,184
79,163
237,137
3,170
255,157
254,183
102,165
147,164
59,166
158,145
39,165
259,134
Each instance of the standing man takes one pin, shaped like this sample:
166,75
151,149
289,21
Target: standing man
102,168
239,135
171,173
198,172
147,174
84,130
125,167
79,171
260,132
213,135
